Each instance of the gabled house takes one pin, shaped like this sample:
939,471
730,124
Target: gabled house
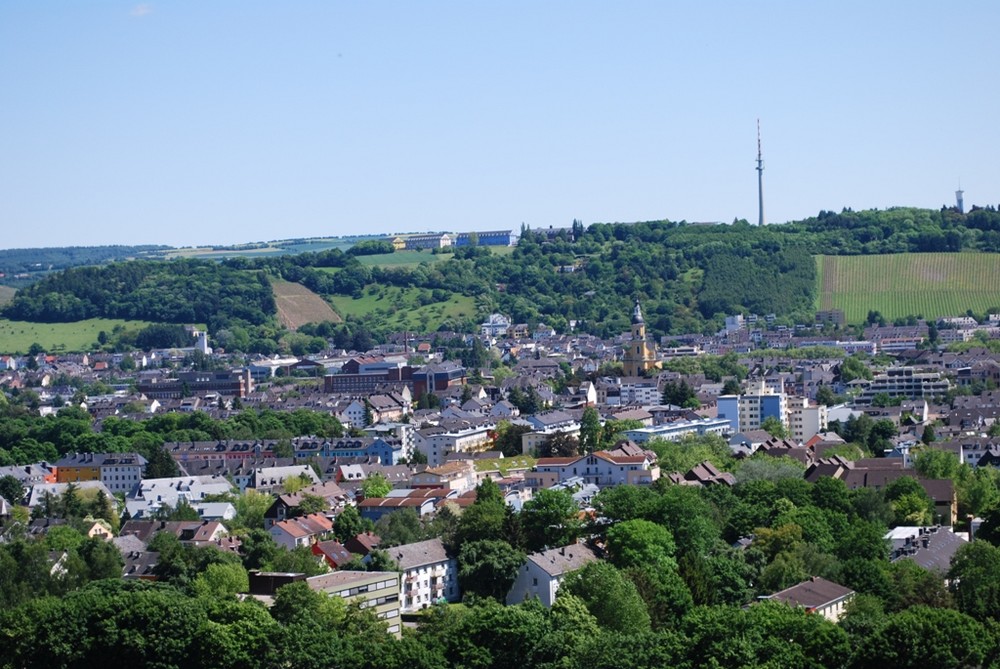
601,468
301,531
363,544
429,574
706,474
374,508
817,595
334,553
284,506
543,572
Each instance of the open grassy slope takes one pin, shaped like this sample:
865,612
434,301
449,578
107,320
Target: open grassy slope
18,336
297,305
405,309
927,284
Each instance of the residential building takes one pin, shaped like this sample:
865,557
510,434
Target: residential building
120,472
905,382
453,436
601,468
543,572
197,533
333,553
429,574
266,479
805,420
495,325
377,590
930,547
301,531
42,491
747,412
152,494
817,595
460,476
284,505
374,508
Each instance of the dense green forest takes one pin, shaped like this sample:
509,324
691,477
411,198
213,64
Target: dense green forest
176,291
687,276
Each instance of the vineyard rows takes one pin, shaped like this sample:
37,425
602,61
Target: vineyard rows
928,284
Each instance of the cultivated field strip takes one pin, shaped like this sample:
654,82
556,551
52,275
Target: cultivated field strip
928,284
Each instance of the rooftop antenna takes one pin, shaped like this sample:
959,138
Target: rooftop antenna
760,180
958,198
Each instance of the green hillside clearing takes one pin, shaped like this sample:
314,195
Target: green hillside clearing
18,336
405,309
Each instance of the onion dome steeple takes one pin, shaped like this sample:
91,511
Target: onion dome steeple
637,314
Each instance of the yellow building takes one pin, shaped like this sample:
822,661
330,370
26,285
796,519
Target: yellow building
640,357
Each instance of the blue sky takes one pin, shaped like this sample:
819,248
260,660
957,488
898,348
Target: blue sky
193,122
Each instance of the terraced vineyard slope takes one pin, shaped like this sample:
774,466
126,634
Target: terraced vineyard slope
297,305
903,284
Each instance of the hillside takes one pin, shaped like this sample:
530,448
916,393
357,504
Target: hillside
927,284
688,278
178,291
6,295
297,305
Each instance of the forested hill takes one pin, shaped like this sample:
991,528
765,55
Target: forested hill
176,291
687,276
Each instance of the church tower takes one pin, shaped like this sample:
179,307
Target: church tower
639,354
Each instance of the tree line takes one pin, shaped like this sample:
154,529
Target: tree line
688,277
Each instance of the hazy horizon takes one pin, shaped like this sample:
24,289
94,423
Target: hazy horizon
191,124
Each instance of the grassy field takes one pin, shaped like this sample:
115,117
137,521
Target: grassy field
506,464
402,309
899,285
18,336
403,258
214,254
297,305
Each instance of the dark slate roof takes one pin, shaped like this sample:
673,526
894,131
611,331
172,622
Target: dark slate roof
558,561
410,556
812,594
930,547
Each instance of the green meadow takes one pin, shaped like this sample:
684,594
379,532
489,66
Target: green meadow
18,336
405,309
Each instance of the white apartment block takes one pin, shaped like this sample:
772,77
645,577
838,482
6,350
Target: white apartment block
804,420
438,441
905,382
429,575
